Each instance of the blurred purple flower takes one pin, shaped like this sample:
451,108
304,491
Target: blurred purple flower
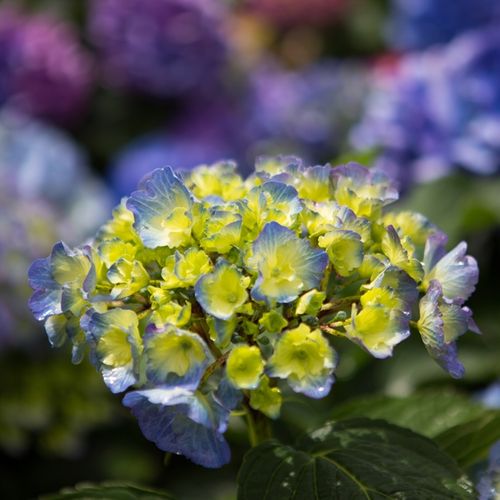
306,112
43,69
417,24
437,111
299,12
159,47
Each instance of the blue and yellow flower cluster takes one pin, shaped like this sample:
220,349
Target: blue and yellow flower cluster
211,293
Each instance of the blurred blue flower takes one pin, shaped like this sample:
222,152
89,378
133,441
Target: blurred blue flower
44,71
45,187
417,24
158,47
437,111
488,487
306,111
204,134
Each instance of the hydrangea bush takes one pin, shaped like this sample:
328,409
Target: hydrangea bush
44,70
210,294
436,111
160,48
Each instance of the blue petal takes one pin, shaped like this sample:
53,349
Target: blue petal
161,374
179,422
431,327
55,327
46,299
44,303
283,196
120,378
316,388
227,395
488,487
161,193
435,249
39,275
401,285
117,375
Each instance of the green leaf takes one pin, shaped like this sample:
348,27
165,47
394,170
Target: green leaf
109,491
428,412
471,441
359,458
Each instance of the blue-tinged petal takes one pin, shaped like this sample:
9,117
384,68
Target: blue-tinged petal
272,166
457,273
221,330
286,264
55,326
222,291
179,421
281,203
316,184
364,191
431,327
116,345
72,299
45,303
488,487
345,250
220,230
175,357
435,250
399,284
69,266
48,277
457,320
312,387
305,359
393,249
378,328
161,209
39,275
227,395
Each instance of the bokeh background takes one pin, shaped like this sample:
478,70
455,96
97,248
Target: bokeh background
96,93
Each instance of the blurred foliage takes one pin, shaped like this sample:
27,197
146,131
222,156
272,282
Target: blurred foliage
51,405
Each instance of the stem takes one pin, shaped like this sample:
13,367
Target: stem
259,426
339,303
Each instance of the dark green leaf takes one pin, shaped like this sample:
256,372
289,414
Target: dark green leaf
108,491
428,412
471,441
352,459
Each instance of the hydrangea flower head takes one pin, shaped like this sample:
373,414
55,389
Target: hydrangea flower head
163,48
418,24
44,70
306,110
437,110
224,293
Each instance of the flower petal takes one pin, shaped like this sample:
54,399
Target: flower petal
175,357
287,265
161,210
181,422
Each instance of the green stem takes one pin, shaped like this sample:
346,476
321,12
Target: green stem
259,426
